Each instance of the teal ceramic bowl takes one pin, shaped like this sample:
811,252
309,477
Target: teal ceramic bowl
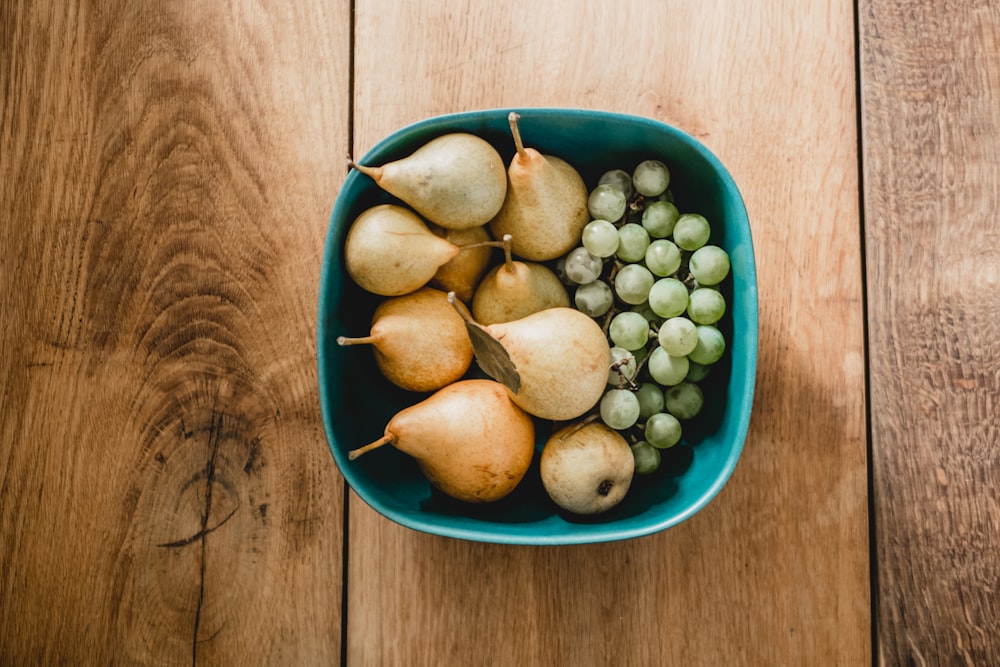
357,402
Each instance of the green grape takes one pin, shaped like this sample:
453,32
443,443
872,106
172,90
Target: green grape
706,305
666,369
651,178
647,458
606,202
663,257
619,409
709,265
620,179
659,219
691,231
632,284
650,399
619,374
600,238
678,336
711,345
684,400
629,330
632,242
647,312
594,299
668,297
581,267
697,372
663,430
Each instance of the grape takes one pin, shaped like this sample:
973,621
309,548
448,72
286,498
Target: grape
663,430
594,299
668,297
650,399
651,178
697,372
663,258
647,457
620,374
619,408
632,284
659,219
706,305
600,238
629,330
678,336
711,345
606,202
666,369
632,242
620,179
709,265
581,267
691,231
684,401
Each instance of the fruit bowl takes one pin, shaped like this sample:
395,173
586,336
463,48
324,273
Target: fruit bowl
357,402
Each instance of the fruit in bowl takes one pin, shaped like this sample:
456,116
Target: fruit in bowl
679,389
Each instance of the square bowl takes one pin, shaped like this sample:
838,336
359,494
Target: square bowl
357,402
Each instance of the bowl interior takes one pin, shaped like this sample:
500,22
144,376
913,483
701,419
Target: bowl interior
357,401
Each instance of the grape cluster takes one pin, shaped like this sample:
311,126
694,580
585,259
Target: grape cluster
648,273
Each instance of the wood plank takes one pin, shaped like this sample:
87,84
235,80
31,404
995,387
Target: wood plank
167,494
775,570
931,113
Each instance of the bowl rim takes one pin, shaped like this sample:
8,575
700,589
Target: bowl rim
596,532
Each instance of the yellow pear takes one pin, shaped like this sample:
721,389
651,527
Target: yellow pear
390,251
545,209
587,468
456,180
419,340
469,440
554,362
516,289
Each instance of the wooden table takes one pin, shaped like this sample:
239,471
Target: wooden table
167,497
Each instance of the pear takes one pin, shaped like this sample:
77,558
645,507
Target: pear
546,205
469,440
420,342
390,251
586,468
554,363
456,180
516,289
462,273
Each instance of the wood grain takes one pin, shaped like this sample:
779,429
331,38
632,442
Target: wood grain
167,495
931,113
775,570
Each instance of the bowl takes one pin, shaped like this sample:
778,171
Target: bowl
357,403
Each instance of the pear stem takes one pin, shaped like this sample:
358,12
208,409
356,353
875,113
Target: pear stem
508,259
388,438
372,172
512,118
363,340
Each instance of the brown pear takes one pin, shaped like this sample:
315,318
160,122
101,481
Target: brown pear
390,250
456,180
462,273
469,440
545,209
419,340
516,289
